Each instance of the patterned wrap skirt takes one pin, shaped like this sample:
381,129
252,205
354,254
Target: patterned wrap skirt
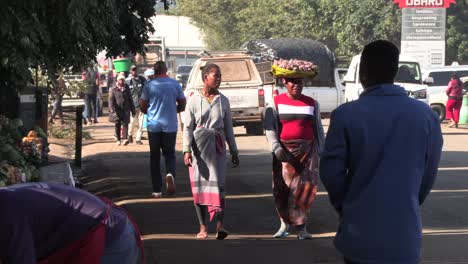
286,180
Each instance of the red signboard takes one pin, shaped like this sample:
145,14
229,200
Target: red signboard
424,3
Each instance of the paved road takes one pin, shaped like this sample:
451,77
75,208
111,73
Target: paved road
169,225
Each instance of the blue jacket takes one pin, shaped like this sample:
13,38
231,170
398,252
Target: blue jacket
379,163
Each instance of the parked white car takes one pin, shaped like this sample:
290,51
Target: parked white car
409,77
437,79
438,100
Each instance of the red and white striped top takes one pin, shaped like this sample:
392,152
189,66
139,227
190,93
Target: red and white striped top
296,117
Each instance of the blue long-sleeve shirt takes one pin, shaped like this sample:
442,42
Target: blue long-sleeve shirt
379,163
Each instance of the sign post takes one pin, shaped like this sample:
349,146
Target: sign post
423,30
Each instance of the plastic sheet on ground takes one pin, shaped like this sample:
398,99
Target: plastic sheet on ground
57,173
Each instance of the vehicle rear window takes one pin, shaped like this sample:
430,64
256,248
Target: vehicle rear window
408,72
184,69
234,71
443,78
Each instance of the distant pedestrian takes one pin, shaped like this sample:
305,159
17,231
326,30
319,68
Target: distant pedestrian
49,223
121,105
136,83
149,74
57,93
99,100
208,125
379,164
455,98
161,100
91,80
294,129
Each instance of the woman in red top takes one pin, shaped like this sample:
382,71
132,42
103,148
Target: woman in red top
294,129
455,97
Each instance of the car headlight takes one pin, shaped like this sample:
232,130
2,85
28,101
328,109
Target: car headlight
419,94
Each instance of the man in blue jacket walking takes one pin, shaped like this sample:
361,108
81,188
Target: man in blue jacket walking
379,163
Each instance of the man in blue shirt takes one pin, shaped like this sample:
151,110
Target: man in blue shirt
161,100
379,163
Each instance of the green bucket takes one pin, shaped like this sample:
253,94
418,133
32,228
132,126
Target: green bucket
464,111
122,65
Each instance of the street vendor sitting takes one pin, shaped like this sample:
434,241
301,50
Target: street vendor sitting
54,223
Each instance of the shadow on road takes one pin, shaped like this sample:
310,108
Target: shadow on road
169,225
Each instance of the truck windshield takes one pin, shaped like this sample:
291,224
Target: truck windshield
408,72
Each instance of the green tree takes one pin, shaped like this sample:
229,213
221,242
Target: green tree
277,19
457,33
58,34
348,25
217,19
344,25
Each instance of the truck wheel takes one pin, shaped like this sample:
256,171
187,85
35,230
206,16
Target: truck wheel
440,111
254,129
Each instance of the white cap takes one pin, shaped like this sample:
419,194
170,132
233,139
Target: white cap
149,72
121,77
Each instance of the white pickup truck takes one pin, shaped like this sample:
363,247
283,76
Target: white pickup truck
329,97
326,87
241,84
409,77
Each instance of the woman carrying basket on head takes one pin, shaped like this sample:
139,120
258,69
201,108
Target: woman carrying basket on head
294,129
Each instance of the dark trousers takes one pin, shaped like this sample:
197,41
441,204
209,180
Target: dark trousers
98,110
90,104
166,142
119,125
57,108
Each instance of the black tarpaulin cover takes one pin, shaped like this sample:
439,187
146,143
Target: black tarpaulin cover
295,48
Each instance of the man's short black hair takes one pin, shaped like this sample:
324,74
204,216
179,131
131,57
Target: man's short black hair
381,58
160,68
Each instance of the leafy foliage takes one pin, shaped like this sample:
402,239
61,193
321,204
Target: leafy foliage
58,35
67,131
344,25
457,33
217,19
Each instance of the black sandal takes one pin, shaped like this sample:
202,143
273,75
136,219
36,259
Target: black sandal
222,234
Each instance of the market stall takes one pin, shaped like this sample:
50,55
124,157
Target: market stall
21,152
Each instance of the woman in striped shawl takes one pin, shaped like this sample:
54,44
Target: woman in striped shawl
208,125
294,129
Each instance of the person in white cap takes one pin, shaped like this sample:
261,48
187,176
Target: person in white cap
136,83
149,74
121,104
